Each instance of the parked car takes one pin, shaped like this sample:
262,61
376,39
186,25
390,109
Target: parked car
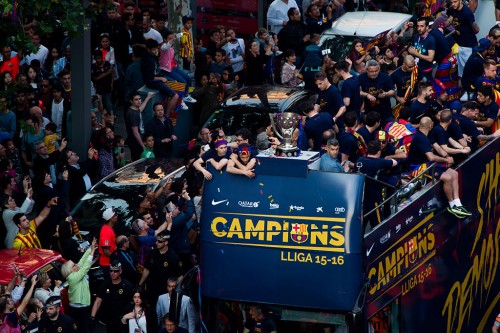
250,107
30,261
122,190
337,40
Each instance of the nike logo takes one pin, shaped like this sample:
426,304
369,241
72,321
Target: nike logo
370,250
215,203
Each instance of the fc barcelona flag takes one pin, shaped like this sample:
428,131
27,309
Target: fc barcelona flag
431,7
179,88
376,40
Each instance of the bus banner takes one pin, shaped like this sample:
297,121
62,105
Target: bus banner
437,265
283,240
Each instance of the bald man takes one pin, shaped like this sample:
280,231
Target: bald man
421,153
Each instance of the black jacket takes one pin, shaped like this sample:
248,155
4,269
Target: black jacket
292,37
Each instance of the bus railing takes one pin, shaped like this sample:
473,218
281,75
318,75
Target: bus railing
393,199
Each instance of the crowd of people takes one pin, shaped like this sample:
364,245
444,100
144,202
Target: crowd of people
446,106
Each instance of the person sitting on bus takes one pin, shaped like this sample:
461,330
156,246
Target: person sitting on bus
373,165
243,163
217,156
330,161
440,136
421,153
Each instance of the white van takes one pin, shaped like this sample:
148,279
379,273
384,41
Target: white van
358,25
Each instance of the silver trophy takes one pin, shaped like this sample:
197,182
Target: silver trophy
284,125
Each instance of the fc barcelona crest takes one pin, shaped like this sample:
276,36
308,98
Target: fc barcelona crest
299,232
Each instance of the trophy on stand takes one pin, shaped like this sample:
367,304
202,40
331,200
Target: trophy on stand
284,125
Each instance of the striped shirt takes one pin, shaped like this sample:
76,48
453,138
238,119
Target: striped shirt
28,240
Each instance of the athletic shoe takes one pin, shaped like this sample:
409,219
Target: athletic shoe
463,211
459,211
189,99
430,208
184,106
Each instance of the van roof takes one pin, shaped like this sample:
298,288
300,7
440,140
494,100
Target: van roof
26,260
366,24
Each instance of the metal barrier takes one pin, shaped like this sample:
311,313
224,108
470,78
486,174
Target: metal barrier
399,190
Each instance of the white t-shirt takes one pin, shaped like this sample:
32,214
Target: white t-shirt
277,13
57,115
41,55
153,34
234,51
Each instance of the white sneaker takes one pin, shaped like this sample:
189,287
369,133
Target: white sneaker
184,106
189,99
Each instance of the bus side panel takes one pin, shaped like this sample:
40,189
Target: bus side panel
283,240
454,285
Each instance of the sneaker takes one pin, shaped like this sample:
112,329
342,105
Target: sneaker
189,99
463,211
184,106
430,208
459,211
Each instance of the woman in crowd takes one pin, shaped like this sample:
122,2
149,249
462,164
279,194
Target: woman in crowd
6,81
33,78
9,210
255,61
78,287
43,292
289,71
51,61
10,314
139,319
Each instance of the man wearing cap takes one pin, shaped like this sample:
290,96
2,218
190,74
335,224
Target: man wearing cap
389,151
161,264
218,156
54,321
473,68
439,101
114,295
107,238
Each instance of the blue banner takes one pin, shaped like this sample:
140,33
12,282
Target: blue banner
283,240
